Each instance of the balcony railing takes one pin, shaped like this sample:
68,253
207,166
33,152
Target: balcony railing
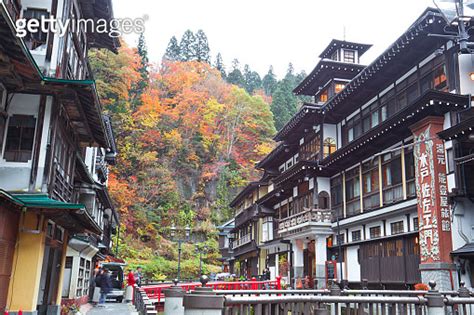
393,194
307,216
242,241
101,168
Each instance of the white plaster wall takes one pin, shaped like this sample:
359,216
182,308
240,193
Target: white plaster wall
466,66
324,184
463,223
353,266
16,175
329,130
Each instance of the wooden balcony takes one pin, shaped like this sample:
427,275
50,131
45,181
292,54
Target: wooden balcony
242,241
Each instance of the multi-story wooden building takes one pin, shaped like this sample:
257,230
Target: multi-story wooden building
225,246
55,143
365,183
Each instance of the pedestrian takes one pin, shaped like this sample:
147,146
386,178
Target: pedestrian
130,284
105,286
138,276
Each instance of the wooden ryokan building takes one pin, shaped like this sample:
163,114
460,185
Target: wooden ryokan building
56,218
371,180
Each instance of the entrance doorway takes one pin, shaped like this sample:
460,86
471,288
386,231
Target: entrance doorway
51,269
8,234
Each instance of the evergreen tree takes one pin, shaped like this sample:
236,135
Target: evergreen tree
187,46
235,76
284,103
201,47
290,74
219,65
172,51
138,88
269,82
252,80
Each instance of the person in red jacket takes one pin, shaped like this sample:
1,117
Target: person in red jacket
131,278
130,285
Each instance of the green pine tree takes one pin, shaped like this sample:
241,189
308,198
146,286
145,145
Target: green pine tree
269,82
284,103
172,51
201,47
219,65
141,85
235,76
187,46
252,80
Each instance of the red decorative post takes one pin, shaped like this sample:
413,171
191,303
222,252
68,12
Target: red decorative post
434,213
254,284
278,279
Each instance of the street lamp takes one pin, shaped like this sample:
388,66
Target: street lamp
187,233
457,12
201,251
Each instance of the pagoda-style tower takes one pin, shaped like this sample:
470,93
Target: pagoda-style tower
339,64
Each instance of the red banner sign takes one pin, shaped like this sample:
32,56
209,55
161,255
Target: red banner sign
434,212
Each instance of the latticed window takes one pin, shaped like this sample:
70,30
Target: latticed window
20,138
329,146
397,227
375,231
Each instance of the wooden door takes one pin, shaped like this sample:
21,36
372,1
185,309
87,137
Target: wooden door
8,233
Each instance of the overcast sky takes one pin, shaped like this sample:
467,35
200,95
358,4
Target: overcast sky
273,32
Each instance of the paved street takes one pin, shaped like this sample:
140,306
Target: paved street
114,308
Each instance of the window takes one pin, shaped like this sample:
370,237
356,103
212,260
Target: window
439,78
356,236
336,195
353,191
415,224
38,39
375,231
267,229
323,200
349,56
20,137
450,164
323,97
370,185
410,172
329,146
397,227
340,239
309,150
334,55
338,87
392,177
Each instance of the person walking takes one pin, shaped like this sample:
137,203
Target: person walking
138,276
130,284
105,286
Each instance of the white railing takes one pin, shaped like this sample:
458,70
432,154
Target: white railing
242,241
308,215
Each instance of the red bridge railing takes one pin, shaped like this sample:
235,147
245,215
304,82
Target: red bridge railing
155,292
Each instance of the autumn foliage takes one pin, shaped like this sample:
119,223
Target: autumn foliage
186,143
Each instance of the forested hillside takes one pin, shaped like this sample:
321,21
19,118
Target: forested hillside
188,138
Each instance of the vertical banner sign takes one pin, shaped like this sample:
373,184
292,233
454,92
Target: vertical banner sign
434,213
